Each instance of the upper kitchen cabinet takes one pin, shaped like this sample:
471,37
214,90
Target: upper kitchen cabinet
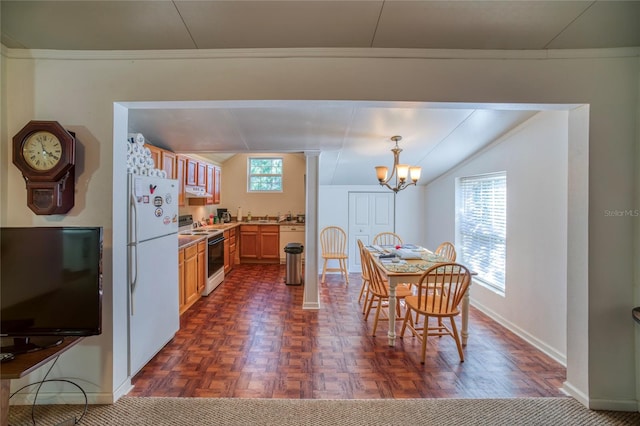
217,176
156,155
181,167
191,172
163,160
210,184
201,177
208,176
168,161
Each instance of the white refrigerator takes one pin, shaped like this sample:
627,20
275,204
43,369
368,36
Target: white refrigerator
152,267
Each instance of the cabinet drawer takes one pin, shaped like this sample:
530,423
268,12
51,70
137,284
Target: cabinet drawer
202,245
190,251
249,228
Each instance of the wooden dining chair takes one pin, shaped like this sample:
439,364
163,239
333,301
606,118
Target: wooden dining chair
441,289
364,275
333,241
447,250
387,239
378,294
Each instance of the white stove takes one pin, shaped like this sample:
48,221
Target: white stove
215,250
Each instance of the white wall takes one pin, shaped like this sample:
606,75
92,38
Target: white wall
79,90
334,210
234,190
534,157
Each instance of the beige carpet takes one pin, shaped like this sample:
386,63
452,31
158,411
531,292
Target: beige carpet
294,412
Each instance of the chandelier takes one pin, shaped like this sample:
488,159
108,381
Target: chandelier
400,171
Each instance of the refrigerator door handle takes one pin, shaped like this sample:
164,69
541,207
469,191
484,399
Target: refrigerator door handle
133,249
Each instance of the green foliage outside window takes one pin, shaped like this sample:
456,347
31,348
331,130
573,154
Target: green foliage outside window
265,174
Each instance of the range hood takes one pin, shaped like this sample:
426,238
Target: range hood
192,191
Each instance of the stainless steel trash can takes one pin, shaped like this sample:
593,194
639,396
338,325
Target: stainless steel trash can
293,263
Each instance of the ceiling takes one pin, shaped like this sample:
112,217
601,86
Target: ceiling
353,136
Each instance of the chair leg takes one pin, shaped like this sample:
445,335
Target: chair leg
425,333
375,321
454,328
369,306
324,271
343,267
364,285
367,296
407,317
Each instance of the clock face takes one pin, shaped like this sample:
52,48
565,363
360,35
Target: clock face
42,150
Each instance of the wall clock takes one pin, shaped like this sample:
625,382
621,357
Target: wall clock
45,153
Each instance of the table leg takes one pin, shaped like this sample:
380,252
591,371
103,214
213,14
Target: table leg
4,402
392,313
465,318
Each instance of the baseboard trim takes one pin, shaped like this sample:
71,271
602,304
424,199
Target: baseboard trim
537,343
65,398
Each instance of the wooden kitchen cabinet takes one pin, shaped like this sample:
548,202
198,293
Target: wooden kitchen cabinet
190,277
181,164
229,249
270,242
201,176
191,172
156,155
168,163
217,176
259,243
248,242
202,266
227,252
210,183
163,160
233,245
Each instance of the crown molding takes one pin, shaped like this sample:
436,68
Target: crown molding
380,53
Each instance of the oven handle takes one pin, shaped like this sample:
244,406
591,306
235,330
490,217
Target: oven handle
215,240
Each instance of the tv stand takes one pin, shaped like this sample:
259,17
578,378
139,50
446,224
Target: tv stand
30,344
23,364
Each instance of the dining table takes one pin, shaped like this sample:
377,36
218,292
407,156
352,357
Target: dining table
406,266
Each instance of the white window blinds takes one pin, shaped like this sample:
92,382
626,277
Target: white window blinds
482,226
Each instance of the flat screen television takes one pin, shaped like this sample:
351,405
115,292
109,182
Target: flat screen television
50,285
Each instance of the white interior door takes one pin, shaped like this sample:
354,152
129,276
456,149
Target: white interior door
369,214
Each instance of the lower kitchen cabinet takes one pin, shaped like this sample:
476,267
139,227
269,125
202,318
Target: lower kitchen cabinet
188,277
202,266
259,243
181,279
229,249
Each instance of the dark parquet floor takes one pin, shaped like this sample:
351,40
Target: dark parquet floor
251,338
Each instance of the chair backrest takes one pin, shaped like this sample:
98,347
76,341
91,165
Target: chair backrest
447,250
387,239
442,287
333,239
365,272
376,282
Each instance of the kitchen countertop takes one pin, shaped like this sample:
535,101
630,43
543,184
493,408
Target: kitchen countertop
187,240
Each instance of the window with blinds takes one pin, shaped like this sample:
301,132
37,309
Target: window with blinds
481,226
265,174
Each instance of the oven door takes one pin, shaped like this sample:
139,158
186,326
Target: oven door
215,254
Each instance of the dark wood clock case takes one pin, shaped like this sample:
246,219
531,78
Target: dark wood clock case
48,191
